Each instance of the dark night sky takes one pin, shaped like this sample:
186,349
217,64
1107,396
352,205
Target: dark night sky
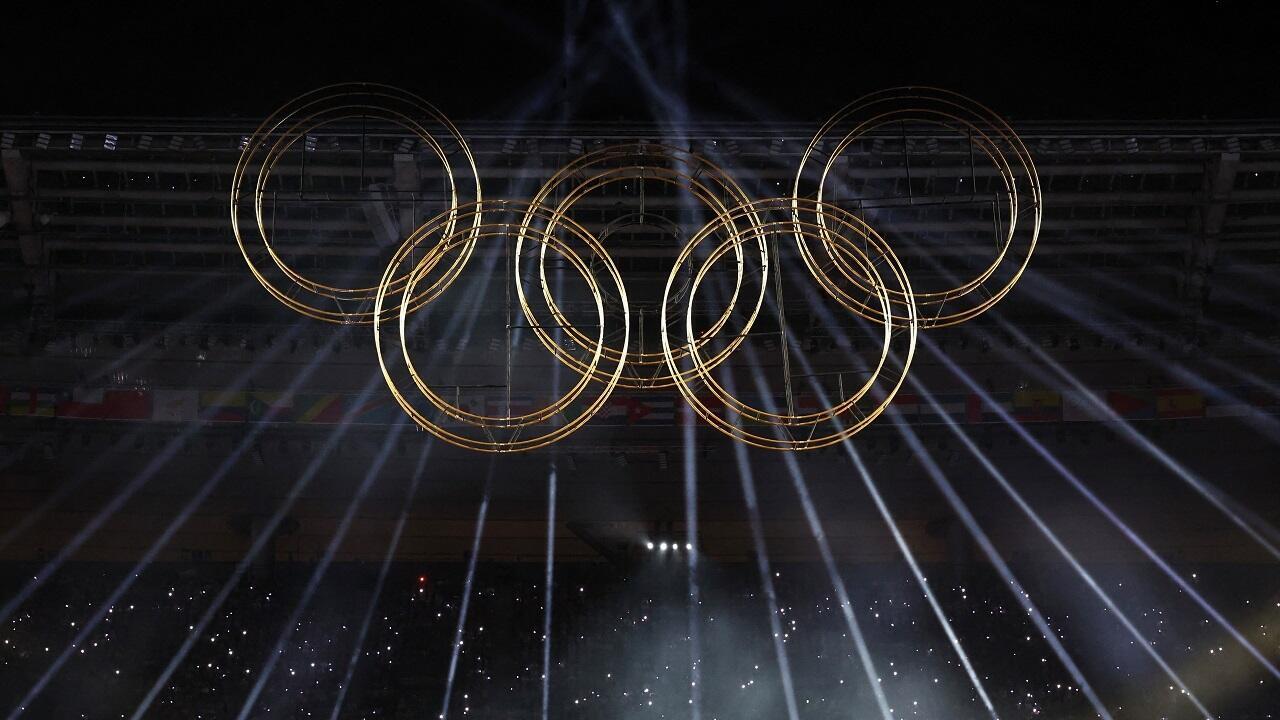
783,60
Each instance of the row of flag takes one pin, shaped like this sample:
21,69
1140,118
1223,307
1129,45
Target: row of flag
626,410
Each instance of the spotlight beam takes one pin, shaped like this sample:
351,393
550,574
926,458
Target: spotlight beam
887,515
998,562
824,547
317,574
546,592
838,583
392,547
689,434
67,488
167,453
1092,498
1126,430
313,468
179,520
940,481
466,591
1063,301
452,326
766,575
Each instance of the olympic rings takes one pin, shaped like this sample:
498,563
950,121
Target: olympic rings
708,183
781,216
294,121
848,261
439,233
986,132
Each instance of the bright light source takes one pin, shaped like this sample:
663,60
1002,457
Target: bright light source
648,545
663,547
688,546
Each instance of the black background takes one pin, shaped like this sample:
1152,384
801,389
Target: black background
743,61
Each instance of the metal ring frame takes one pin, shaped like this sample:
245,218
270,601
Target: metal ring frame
853,266
706,182
987,133
280,132
868,252
442,238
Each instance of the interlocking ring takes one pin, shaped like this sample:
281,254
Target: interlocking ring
850,263
349,106
806,221
989,134
503,432
707,183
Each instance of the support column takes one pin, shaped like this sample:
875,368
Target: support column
36,277
1205,226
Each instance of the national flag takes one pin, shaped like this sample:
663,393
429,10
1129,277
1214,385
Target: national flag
319,408
1133,404
1037,406
222,406
102,404
978,410
907,405
269,406
33,402
1080,406
951,405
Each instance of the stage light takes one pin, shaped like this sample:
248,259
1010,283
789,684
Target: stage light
7,140
575,146
76,142
688,546
42,141
109,141
176,142
406,145
775,147
663,547
649,545
1097,145
1131,145
144,142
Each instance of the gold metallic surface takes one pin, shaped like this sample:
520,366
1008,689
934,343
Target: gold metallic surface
294,121
806,220
989,134
505,432
706,182
848,261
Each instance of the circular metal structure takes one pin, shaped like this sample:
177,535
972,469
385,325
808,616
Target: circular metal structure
338,105
505,432
1016,215
848,261
862,249
705,182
